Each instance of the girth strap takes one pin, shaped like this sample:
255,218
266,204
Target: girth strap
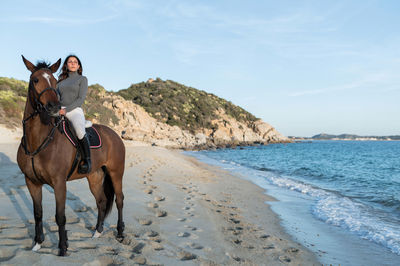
74,164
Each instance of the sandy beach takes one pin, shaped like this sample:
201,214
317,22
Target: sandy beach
177,211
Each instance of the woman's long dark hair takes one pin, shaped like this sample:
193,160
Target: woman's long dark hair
64,70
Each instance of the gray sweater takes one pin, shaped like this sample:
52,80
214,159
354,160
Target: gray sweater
73,91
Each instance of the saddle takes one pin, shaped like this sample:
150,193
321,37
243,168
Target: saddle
66,128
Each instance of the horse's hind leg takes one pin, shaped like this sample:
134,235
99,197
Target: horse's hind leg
95,180
36,194
116,178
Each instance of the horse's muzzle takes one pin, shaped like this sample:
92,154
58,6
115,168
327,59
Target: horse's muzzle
53,108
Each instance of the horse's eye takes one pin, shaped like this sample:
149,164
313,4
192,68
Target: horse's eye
35,80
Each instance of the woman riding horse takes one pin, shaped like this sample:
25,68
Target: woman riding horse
72,87
45,156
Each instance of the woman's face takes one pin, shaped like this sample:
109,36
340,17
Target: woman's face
72,64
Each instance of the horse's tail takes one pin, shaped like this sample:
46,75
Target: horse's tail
108,191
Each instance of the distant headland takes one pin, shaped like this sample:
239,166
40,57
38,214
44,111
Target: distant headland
324,136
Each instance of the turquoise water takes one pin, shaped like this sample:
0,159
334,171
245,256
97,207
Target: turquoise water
351,185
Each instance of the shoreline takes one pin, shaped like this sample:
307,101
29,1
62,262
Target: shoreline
177,210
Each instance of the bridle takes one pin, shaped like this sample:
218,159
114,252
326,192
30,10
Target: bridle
38,107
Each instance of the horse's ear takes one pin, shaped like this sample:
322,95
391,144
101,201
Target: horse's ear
55,66
31,67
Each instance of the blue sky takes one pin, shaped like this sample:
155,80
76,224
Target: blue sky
305,67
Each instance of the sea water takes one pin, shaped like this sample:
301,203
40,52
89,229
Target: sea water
339,198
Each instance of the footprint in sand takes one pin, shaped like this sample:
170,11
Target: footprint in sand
269,247
151,233
81,209
192,228
148,191
184,255
161,213
140,260
235,221
159,198
285,259
292,250
194,246
156,246
145,222
183,234
235,257
152,205
237,241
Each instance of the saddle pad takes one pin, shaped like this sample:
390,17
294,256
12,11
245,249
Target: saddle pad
91,132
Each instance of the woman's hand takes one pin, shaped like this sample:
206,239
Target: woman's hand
62,112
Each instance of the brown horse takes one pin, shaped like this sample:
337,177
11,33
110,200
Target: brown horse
45,156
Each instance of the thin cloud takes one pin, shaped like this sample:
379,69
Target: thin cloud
366,82
63,21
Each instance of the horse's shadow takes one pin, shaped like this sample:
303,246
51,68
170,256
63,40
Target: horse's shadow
12,184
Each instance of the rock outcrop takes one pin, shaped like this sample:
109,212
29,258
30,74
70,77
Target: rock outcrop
136,124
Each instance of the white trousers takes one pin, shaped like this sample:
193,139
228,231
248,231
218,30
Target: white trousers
77,119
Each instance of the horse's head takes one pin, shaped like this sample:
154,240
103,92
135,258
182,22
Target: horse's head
42,93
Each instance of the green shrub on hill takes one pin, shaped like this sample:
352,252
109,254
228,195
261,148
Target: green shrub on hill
177,104
19,87
94,108
12,100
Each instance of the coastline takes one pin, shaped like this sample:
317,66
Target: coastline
177,210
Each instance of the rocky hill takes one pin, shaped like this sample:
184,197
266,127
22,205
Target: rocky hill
163,113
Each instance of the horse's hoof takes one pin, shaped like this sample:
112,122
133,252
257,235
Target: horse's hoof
120,238
62,252
96,234
36,247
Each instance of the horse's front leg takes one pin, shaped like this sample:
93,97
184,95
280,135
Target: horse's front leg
36,194
60,191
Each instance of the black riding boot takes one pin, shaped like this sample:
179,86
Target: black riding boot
86,165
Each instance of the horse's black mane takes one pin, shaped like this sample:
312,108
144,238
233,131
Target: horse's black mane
42,64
